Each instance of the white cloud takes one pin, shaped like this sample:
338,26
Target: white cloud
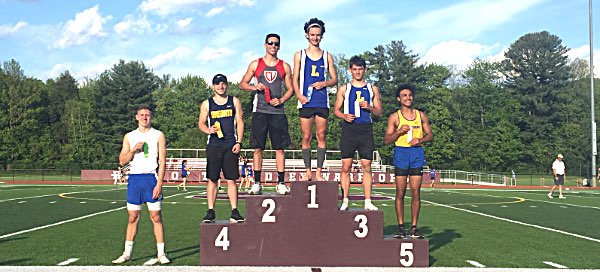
58,69
167,7
164,58
293,9
215,11
583,52
184,23
8,29
465,21
454,52
86,25
132,25
210,53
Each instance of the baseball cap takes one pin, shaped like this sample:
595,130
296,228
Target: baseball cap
560,156
218,78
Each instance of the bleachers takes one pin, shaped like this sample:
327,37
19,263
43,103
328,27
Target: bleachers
197,160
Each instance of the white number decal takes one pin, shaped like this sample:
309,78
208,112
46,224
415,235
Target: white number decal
405,250
174,175
268,217
313,197
362,225
222,240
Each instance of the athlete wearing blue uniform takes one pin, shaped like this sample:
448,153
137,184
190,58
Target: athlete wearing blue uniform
144,149
221,118
312,67
355,103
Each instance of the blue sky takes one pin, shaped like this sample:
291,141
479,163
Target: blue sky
205,37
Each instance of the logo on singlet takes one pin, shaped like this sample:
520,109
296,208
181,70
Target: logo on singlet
270,76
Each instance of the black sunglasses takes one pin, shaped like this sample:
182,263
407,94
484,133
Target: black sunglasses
273,43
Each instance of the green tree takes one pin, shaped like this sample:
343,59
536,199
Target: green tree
536,71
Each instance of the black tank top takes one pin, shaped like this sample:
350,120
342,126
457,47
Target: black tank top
225,115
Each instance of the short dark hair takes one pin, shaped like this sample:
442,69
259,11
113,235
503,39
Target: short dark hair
144,107
271,35
405,86
184,161
357,61
314,22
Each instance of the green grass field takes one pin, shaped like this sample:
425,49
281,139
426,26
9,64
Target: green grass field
46,225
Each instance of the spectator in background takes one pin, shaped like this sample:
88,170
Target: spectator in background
432,173
558,169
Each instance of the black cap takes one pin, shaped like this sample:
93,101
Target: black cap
218,78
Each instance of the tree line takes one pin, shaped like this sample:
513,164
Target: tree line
516,114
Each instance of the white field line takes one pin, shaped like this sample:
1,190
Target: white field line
536,200
70,220
40,196
67,262
555,265
515,222
476,264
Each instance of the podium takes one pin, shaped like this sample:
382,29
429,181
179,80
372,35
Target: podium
305,228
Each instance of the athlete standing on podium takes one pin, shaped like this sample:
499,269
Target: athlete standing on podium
408,129
311,66
268,111
354,104
221,118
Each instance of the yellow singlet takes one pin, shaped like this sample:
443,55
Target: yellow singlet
416,129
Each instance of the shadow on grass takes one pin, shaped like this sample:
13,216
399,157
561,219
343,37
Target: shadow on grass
436,240
11,239
14,262
174,254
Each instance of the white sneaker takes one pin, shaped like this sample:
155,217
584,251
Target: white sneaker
256,189
370,207
282,189
123,258
163,259
344,206
561,196
550,196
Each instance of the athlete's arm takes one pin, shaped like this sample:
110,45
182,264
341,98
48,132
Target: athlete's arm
203,117
289,89
392,133
245,83
426,129
339,103
162,162
376,109
239,125
296,80
127,152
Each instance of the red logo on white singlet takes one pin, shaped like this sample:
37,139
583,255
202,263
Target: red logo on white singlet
270,76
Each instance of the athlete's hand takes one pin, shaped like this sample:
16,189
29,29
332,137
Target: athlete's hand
404,129
156,192
303,99
318,85
138,147
236,148
275,102
349,118
260,87
364,105
212,130
414,142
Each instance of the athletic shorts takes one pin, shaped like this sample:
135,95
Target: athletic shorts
184,175
220,158
275,125
357,137
140,188
310,112
243,174
409,157
559,180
